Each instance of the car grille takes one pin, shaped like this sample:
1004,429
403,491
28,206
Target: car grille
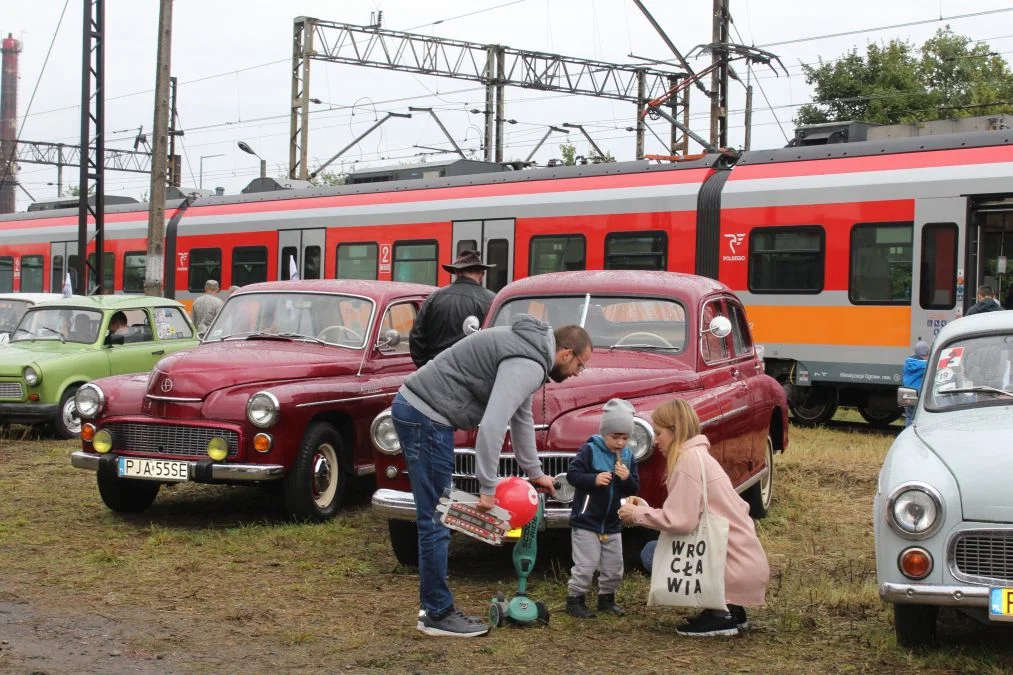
464,467
11,390
983,556
169,439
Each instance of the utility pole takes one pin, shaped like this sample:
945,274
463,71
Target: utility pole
719,78
175,166
154,261
92,166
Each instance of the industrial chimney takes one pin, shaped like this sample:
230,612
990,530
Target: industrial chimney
8,122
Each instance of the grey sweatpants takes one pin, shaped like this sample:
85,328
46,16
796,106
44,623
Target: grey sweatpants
590,553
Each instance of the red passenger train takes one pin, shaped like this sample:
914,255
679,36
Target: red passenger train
844,255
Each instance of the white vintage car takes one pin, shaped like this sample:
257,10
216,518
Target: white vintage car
13,306
943,512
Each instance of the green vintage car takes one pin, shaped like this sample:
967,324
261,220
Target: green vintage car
61,344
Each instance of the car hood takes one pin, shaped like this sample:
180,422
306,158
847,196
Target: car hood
219,365
974,445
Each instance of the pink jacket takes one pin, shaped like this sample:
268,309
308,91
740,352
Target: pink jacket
746,569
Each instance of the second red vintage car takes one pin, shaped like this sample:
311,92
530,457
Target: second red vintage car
656,335
282,389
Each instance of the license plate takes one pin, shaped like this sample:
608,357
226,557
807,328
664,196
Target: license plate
1000,604
153,469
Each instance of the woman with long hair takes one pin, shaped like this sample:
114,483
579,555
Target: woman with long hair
677,435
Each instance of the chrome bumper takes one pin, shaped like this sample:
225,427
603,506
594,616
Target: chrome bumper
926,594
398,505
203,471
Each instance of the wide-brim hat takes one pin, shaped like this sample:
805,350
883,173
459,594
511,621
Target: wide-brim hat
467,260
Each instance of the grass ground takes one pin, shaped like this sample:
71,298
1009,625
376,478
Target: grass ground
210,579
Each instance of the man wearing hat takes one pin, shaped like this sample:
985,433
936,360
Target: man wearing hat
440,322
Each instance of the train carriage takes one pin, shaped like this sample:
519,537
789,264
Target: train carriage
845,255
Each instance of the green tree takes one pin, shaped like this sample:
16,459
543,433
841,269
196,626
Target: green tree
569,153
329,179
949,76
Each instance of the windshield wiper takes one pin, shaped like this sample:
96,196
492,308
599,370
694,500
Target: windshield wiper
632,345
300,336
58,333
23,330
977,389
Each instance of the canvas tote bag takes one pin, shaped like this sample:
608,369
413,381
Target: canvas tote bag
688,570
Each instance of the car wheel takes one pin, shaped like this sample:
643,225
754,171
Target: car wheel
68,423
760,495
813,406
315,485
404,541
879,418
123,495
915,624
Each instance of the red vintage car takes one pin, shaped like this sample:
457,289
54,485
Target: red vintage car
282,389
656,335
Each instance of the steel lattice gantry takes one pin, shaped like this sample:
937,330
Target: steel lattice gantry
495,66
61,155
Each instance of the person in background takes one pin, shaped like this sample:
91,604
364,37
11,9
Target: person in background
603,472
118,328
440,322
986,302
677,435
232,289
206,307
914,373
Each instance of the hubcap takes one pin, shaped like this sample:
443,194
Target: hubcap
71,420
325,478
768,480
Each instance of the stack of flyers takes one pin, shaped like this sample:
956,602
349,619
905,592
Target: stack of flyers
459,513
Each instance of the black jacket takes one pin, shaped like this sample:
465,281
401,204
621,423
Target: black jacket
988,305
440,322
597,508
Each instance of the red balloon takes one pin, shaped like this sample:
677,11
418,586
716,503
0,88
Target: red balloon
519,498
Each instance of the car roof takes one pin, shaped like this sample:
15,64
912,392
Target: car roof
31,297
379,290
637,282
986,322
113,302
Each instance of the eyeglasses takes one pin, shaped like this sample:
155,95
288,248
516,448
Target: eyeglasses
580,364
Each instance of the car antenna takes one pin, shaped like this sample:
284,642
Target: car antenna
362,361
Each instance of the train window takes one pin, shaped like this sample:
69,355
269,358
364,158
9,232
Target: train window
356,261
466,245
787,260
311,266
881,264
415,261
31,274
205,264
249,265
557,254
498,254
636,251
108,272
73,262
938,286
6,274
289,255
133,271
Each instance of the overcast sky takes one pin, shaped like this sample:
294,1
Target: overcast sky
232,60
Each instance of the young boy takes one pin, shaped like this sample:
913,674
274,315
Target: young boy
603,472
914,373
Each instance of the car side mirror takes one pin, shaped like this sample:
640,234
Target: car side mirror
471,325
720,326
907,397
389,340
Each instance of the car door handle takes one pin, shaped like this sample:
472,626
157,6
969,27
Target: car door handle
160,351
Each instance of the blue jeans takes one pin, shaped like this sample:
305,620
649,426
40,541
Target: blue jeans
647,555
428,448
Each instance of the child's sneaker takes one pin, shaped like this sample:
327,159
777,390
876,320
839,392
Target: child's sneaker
576,606
607,603
709,624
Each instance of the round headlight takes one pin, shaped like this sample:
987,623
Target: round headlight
384,434
915,510
103,441
89,400
32,376
218,448
564,491
262,409
641,440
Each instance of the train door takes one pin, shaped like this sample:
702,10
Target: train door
989,247
302,251
63,259
495,240
936,280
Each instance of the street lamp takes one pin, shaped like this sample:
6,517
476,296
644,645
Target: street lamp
263,162
202,158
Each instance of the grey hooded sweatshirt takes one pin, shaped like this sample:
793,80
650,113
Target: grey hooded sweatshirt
486,380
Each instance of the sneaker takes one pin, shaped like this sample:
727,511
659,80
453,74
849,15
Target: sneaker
709,624
738,613
454,624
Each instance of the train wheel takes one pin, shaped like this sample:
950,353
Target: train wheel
878,417
813,406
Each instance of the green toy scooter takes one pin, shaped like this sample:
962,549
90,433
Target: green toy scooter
520,609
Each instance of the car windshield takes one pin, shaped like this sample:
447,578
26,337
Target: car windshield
64,324
340,320
972,372
11,312
614,322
